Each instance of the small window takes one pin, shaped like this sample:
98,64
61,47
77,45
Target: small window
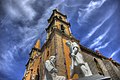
31,69
40,59
47,53
51,28
62,28
60,17
98,67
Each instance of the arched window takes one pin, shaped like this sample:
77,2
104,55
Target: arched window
37,76
98,67
62,28
51,28
60,17
47,53
40,59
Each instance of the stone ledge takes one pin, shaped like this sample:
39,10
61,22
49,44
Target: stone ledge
95,77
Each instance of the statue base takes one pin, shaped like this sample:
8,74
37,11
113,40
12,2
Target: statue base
95,77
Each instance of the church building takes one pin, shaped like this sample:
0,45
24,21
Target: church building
62,57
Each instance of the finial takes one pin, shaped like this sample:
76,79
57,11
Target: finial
56,9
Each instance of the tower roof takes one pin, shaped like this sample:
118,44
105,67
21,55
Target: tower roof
56,11
37,45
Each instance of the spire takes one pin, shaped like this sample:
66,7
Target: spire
56,9
37,44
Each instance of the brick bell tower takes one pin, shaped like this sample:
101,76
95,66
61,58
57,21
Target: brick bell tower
59,30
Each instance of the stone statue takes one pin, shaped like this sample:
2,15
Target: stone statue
77,60
51,71
33,77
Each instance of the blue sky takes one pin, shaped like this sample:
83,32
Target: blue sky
94,22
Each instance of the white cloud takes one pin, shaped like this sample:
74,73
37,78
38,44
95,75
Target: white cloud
20,9
102,21
8,56
103,46
85,13
97,40
114,53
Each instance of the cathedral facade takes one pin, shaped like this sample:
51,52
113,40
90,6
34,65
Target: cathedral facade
62,57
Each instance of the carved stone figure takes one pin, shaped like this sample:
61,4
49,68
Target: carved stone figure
51,71
77,60
33,77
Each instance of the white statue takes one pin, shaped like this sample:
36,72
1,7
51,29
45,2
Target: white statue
33,77
51,71
77,60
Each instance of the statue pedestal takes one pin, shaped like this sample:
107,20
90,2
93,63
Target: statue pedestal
95,77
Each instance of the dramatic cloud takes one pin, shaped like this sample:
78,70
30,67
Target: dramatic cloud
104,45
20,9
97,40
102,20
114,53
86,12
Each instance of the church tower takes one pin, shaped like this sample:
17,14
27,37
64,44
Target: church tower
58,21
59,31
32,66
55,47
